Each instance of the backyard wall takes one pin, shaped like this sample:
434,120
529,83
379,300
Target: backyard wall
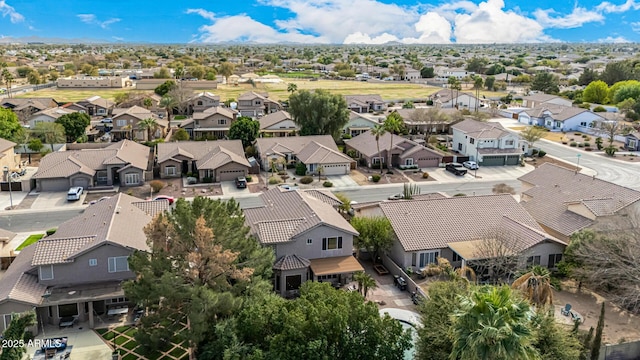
624,351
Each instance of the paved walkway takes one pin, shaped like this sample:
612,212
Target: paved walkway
86,344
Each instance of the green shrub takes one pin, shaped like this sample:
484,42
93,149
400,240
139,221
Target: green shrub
51,231
249,178
352,153
301,169
460,194
586,144
599,109
207,180
599,143
375,178
610,150
588,149
327,184
306,180
580,145
291,166
346,136
273,180
425,175
573,144
542,153
156,185
534,152
179,117
577,134
282,172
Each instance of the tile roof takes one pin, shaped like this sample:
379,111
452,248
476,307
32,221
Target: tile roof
274,118
99,101
226,112
555,188
55,113
206,94
315,153
366,144
18,284
288,214
6,144
135,111
208,154
430,224
558,112
364,98
22,103
481,130
291,262
250,95
57,251
88,161
540,97
325,196
293,144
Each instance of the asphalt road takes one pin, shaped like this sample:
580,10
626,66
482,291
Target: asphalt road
35,221
616,171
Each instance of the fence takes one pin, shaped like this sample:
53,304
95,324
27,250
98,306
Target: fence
624,351
594,132
394,269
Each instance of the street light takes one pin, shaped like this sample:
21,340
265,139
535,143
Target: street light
7,176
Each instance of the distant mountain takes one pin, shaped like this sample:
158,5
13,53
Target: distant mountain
50,40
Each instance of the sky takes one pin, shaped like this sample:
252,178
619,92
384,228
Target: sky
325,21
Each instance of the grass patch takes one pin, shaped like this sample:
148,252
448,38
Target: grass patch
32,239
102,331
109,335
178,352
121,340
131,332
130,345
130,357
122,329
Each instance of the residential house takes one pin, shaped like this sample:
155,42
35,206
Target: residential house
405,152
97,106
124,163
358,124
538,99
427,229
211,123
125,124
278,124
311,240
489,144
564,201
317,152
203,101
7,252
48,115
8,157
420,121
213,161
365,103
632,141
28,106
559,118
255,105
449,98
78,271
444,73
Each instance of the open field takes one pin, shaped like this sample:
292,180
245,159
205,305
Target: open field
388,90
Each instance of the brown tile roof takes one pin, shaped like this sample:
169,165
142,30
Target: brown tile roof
226,112
481,130
291,262
22,103
293,144
250,95
135,111
325,196
366,144
206,94
288,214
88,161
55,113
18,284
432,224
315,153
555,187
364,99
6,144
99,101
558,112
58,251
274,118
540,97
208,154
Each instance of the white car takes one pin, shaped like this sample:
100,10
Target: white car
74,193
472,165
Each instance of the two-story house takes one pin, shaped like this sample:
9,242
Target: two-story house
97,106
215,161
212,123
449,98
124,163
255,105
278,124
538,99
311,240
358,124
125,124
405,152
203,101
489,144
78,271
365,103
8,157
564,201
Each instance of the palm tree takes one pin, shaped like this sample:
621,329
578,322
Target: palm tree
393,124
149,124
536,286
492,323
129,129
378,131
168,103
477,85
365,282
291,87
8,79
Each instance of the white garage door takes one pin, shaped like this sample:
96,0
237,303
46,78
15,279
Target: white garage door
228,175
54,185
336,169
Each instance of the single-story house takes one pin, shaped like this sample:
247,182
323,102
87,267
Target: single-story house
358,124
212,161
535,100
405,152
429,121
632,141
365,103
559,118
448,98
48,115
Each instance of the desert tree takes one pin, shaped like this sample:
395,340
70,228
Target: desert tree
498,255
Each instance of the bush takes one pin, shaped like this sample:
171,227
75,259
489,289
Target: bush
352,153
346,136
207,180
282,172
306,180
542,153
588,149
377,166
610,150
425,175
51,231
460,194
577,134
301,169
408,167
327,184
273,180
573,144
534,152
599,109
156,185
375,178
586,144
580,145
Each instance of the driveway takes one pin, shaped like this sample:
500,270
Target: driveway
55,199
488,173
229,189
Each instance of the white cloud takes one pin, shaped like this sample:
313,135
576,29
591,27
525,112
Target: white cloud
576,18
93,20
433,29
360,38
614,40
7,10
635,26
612,8
202,12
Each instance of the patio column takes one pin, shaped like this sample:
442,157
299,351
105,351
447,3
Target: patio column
464,262
91,324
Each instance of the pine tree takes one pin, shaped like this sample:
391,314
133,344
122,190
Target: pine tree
597,341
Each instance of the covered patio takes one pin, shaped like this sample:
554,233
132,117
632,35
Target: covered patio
336,270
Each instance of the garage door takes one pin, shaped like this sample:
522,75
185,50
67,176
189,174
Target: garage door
227,175
492,160
335,169
54,185
513,159
83,182
429,162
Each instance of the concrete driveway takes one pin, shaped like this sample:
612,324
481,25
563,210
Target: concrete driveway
229,189
57,200
490,173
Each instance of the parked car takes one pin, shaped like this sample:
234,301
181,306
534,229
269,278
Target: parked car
74,193
398,196
456,169
471,165
107,121
165,197
241,182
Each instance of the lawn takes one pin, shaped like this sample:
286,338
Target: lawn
388,90
128,347
32,239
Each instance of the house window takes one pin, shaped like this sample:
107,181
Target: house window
222,121
533,260
208,174
131,178
378,160
554,259
460,147
456,257
428,258
93,262
632,144
408,161
332,243
309,241
472,141
7,319
118,264
46,272
121,122
293,282
102,176
170,170
509,142
101,112
200,102
277,280
413,259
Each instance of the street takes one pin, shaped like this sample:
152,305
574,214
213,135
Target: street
35,221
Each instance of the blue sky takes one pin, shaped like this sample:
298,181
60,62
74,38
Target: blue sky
325,21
